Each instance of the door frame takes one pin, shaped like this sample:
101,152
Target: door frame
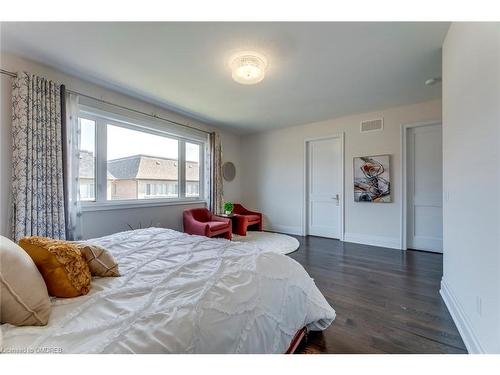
404,175
305,190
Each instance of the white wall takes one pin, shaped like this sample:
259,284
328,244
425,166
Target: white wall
100,222
273,164
471,144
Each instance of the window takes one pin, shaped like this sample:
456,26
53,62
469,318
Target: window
162,190
128,161
86,175
136,157
87,191
192,189
192,170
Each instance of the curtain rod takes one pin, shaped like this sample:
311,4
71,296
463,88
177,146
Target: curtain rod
6,72
12,74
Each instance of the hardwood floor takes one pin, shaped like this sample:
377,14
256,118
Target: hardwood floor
387,301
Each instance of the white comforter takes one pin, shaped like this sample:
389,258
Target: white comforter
182,294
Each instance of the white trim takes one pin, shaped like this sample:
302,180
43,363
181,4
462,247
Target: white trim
100,164
460,319
403,213
181,170
141,203
341,136
287,229
382,241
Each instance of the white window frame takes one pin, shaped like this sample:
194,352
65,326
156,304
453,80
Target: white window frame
101,202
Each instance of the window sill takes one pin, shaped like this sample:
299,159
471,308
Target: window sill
88,207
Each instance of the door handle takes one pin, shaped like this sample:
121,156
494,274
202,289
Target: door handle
336,197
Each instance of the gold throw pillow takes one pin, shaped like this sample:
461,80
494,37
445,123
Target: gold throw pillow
61,264
100,261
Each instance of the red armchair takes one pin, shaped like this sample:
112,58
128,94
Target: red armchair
243,219
202,222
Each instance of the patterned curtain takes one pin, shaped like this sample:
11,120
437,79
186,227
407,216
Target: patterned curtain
216,193
37,164
71,155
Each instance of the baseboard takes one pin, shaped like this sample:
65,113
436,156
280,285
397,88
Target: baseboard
390,242
284,229
460,318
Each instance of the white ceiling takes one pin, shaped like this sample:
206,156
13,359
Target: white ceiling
316,70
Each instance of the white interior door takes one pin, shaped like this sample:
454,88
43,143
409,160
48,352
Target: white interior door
324,187
425,188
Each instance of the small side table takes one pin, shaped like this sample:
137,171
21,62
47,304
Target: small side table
230,217
227,216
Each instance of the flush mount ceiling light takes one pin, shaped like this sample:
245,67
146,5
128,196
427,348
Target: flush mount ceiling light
248,68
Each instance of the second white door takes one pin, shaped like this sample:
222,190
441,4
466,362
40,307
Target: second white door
324,161
425,188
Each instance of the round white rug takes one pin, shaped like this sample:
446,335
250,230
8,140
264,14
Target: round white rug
267,241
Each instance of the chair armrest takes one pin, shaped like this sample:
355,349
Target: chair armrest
221,219
248,212
242,210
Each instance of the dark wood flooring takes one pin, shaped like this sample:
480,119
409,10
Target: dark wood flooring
387,301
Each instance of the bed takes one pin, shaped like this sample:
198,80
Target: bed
182,294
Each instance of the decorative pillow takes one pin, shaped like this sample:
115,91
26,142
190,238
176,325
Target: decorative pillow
61,264
24,300
100,261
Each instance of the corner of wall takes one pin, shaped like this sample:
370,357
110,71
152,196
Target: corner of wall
460,319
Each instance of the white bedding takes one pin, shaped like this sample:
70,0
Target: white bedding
182,294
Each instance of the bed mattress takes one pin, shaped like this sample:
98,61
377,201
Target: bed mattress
181,294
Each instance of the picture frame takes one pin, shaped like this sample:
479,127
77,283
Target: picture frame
372,178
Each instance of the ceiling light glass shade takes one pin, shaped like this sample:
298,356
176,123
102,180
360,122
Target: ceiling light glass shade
248,68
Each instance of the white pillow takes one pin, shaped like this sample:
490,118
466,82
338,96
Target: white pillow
24,300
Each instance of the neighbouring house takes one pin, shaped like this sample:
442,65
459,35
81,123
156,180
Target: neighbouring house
139,177
87,176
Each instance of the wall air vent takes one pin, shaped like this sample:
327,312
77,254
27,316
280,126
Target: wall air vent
375,125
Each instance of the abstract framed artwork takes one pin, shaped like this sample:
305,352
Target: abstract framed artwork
372,179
